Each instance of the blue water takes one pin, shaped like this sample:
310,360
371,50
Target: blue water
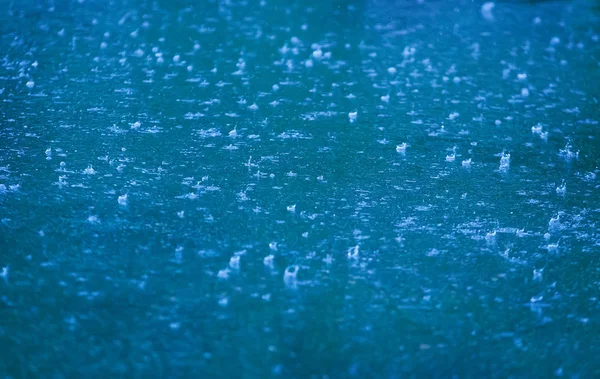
299,189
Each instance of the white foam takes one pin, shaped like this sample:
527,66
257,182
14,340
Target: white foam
223,274
89,170
224,301
290,275
433,252
590,176
4,273
93,220
268,260
352,116
453,115
504,161
535,299
554,223
451,157
568,154
234,262
353,252
486,10
401,148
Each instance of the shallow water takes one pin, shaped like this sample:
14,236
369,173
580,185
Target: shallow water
299,189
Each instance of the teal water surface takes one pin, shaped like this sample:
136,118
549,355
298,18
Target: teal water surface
304,189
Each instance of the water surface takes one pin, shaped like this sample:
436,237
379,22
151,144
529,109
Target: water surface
299,189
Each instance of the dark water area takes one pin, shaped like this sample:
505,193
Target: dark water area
303,189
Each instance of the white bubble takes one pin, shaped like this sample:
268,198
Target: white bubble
504,161
223,274
353,252
234,262
535,299
224,301
352,116
401,148
89,170
268,260
486,10
290,276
